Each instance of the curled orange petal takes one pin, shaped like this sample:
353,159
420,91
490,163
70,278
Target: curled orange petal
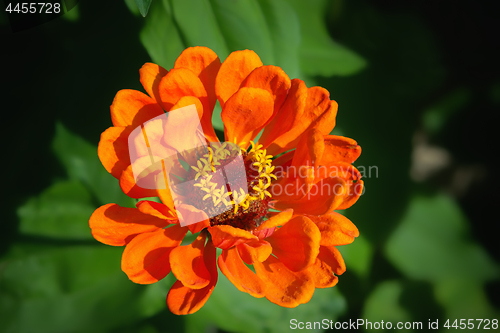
194,218
158,210
277,220
233,71
283,286
245,113
355,190
296,244
340,149
205,63
131,107
322,198
150,77
335,228
179,141
226,236
115,225
113,150
145,259
328,263
254,251
182,300
288,115
129,185
317,111
188,265
180,82
270,78
310,149
239,274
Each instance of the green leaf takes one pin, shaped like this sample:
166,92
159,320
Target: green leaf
432,244
81,162
143,6
160,35
383,303
198,25
61,211
284,29
235,311
73,289
319,53
358,256
132,6
217,117
244,27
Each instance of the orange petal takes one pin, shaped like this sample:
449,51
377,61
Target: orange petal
296,244
113,150
245,113
310,149
255,251
325,123
206,122
340,149
145,259
158,210
328,263
277,220
197,227
323,198
294,185
350,175
115,225
131,107
319,112
188,100
130,187
283,286
163,190
239,274
205,63
270,78
188,265
335,228
182,300
150,76
180,82
288,115
354,192
233,71
188,213
332,256
226,236
264,233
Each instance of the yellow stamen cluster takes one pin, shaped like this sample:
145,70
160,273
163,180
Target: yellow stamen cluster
264,163
211,159
220,195
223,196
261,189
208,187
259,154
242,199
202,169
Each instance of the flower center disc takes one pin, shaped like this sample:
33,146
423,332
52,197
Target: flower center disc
232,206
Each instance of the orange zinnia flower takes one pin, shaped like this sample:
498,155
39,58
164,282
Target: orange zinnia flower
284,224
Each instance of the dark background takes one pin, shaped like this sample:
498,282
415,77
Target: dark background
420,56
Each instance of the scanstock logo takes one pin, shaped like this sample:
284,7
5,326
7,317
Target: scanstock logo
165,150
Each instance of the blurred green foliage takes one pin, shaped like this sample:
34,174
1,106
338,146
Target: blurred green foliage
418,256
